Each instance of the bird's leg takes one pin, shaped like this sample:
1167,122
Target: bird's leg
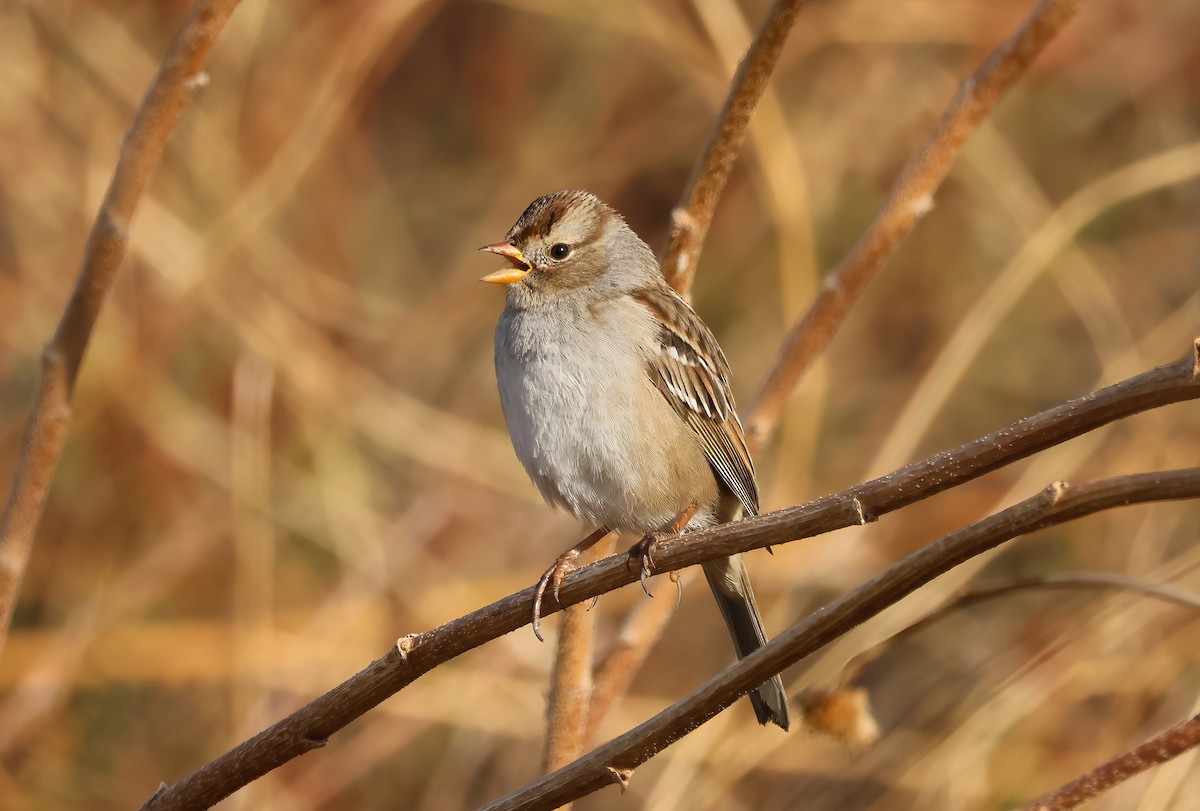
643,550
554,575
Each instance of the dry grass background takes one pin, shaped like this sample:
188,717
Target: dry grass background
288,451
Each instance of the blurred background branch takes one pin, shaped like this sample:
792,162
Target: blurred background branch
691,219
981,593
911,198
180,74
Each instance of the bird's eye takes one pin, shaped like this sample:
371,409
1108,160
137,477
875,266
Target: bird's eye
560,251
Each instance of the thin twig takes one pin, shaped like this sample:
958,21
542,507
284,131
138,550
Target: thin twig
980,594
692,217
178,77
310,726
1056,504
911,198
1158,750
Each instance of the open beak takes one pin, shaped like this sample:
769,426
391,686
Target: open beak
518,271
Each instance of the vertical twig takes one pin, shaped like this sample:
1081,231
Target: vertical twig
692,217
141,151
642,629
570,688
1162,747
568,713
253,551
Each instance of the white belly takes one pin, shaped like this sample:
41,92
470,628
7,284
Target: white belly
586,421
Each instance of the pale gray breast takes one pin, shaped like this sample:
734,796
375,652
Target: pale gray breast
586,421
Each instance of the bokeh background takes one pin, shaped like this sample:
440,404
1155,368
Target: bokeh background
287,449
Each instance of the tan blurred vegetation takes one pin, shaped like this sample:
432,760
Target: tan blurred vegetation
287,448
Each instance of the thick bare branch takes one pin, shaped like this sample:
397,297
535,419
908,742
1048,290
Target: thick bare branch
911,198
1056,504
1158,750
179,75
310,726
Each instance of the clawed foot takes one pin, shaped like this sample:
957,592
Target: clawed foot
643,553
552,579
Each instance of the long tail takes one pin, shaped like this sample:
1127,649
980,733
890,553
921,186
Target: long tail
730,584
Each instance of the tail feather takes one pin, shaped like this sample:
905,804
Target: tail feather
730,584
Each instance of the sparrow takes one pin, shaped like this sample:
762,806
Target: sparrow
617,398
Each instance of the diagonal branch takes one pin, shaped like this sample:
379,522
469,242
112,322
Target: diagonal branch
910,200
310,726
1056,504
180,74
692,217
1162,747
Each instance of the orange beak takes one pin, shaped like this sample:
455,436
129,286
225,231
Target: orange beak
518,271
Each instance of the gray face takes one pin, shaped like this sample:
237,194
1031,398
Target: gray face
571,242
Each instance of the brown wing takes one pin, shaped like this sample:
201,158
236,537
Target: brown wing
690,370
